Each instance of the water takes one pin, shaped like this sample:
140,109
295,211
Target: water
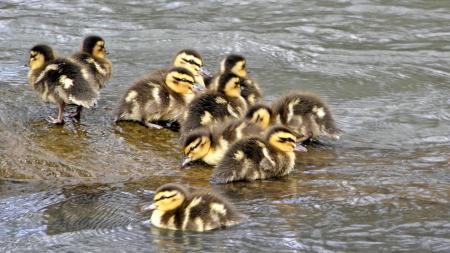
381,65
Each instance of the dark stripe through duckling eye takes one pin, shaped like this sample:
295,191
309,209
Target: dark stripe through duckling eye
182,80
192,62
286,139
165,197
194,147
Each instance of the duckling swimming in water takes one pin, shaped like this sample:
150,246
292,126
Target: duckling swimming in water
153,99
175,208
216,106
255,158
236,64
60,81
209,145
93,56
190,60
306,114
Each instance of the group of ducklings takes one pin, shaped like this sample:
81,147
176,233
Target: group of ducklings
222,120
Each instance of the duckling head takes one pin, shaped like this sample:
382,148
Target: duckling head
191,60
234,63
284,139
181,81
95,46
39,55
169,197
230,84
260,115
196,145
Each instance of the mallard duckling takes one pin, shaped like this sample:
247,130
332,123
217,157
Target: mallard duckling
306,114
216,106
209,145
151,99
236,64
93,56
260,114
60,81
256,158
191,60
174,207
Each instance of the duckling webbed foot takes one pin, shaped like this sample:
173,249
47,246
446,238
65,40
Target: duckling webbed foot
60,119
77,113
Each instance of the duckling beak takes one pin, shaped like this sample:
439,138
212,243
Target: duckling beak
204,71
186,162
300,148
146,208
197,88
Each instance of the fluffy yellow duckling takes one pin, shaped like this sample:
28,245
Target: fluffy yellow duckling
93,56
236,64
216,106
190,60
151,99
209,145
60,81
174,207
256,158
306,114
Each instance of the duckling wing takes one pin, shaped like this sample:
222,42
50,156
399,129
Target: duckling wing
100,69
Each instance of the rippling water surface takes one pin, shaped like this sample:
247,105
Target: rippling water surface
383,67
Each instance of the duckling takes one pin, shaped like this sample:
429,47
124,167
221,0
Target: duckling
306,114
261,115
93,55
216,106
60,81
209,145
236,64
191,60
175,208
152,99
255,158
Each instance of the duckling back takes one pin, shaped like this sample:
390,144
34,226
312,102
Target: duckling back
307,114
64,80
208,109
101,69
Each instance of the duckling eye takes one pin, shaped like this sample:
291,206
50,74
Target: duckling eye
191,62
165,197
286,140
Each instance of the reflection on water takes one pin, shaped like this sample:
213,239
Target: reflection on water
382,67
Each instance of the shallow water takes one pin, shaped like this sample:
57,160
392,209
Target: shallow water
381,65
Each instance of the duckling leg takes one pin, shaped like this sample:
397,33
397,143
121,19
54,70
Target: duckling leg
77,113
60,119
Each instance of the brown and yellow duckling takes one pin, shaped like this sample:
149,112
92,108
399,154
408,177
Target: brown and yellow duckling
151,99
216,106
175,208
255,158
306,114
261,115
93,56
190,60
209,145
60,81
237,64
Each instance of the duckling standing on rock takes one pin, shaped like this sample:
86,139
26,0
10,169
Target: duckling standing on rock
255,158
60,81
190,60
237,64
306,114
210,144
151,99
177,209
93,58
216,106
